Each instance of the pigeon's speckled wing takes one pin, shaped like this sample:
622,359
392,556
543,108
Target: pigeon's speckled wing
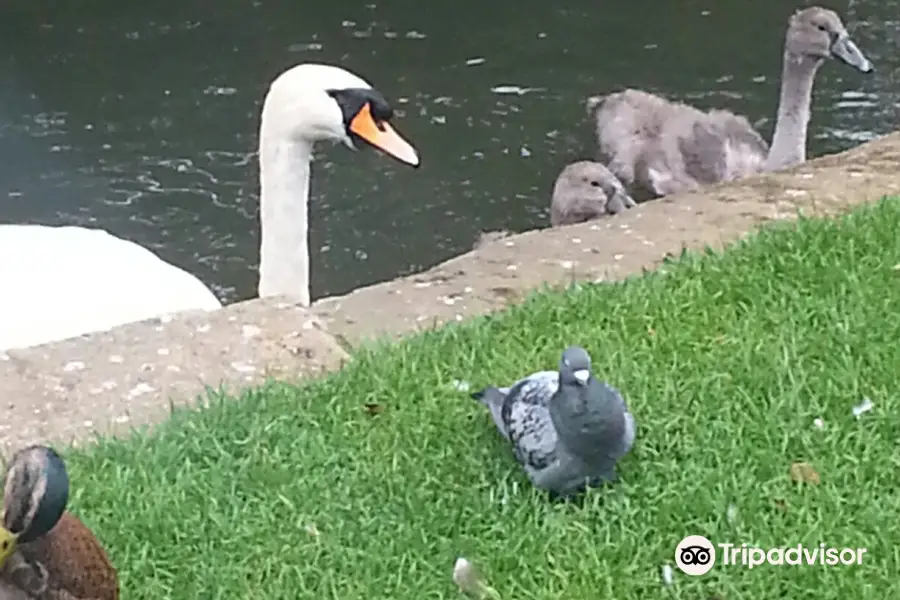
532,435
527,418
535,383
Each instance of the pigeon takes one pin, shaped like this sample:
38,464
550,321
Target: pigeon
567,429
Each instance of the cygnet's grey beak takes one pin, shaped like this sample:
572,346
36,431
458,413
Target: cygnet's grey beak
582,375
846,50
620,202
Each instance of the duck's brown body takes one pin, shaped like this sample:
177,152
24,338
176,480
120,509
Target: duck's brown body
68,563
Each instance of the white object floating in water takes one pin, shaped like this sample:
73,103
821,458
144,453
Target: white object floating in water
518,90
475,61
865,407
215,90
305,47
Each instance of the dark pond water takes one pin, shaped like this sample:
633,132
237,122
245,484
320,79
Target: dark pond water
142,118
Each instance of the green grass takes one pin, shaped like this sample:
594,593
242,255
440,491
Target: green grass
726,361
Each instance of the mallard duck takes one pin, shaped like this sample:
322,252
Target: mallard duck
47,553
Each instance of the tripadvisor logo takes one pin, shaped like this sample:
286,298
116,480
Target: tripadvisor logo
696,555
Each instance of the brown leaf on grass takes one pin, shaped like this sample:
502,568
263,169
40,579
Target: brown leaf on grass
780,504
373,408
803,472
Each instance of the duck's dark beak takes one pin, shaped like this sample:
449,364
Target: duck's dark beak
383,136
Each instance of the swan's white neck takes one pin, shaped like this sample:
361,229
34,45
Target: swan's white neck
789,139
284,210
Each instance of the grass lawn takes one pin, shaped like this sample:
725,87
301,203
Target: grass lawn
727,362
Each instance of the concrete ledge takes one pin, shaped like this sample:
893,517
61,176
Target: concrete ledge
111,381
107,382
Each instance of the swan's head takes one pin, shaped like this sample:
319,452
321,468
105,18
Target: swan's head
34,497
818,33
586,190
313,102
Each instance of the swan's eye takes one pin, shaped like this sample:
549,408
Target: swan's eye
595,184
822,28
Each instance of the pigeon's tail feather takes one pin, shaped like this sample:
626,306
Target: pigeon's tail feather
490,395
494,398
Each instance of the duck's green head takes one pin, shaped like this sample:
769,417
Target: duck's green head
34,497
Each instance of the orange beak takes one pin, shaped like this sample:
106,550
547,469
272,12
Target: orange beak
383,136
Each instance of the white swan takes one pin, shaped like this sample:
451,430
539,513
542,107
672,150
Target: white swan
657,147
60,282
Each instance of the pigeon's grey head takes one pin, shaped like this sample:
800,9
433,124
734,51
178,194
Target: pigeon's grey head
575,366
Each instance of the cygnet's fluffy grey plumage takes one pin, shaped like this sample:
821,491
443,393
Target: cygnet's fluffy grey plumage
567,429
586,190
657,147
